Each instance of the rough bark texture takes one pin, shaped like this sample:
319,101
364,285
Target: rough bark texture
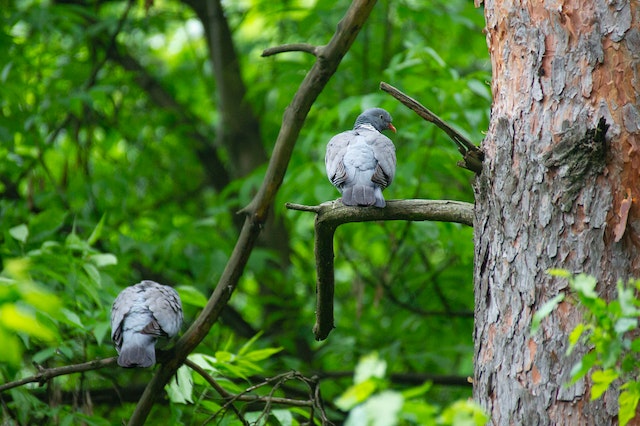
551,195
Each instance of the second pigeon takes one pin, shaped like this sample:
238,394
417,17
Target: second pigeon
362,162
140,315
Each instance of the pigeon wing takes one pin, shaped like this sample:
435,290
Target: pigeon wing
119,310
334,158
385,153
166,308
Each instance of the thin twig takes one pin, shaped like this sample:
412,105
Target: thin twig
302,207
222,391
46,374
473,155
293,47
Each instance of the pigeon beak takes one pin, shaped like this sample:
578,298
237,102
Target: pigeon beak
392,128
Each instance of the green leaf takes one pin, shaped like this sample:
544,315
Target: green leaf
41,299
585,285
75,243
97,231
419,412
44,355
379,410
11,352
582,367
601,381
224,356
464,413
635,345
479,88
574,337
561,273
627,300
369,366
100,331
417,391
624,325
103,259
544,311
245,348
20,233
71,318
628,402
93,273
206,362
261,354
20,320
180,389
191,296
356,394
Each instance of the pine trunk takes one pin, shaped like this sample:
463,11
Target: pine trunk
562,162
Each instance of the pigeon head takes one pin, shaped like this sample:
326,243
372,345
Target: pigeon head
376,117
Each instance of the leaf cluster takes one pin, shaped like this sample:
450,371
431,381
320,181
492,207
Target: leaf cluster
609,334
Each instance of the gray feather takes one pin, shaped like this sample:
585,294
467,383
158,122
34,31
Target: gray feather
362,162
140,315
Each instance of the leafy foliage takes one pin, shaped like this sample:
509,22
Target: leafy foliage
370,402
609,333
108,119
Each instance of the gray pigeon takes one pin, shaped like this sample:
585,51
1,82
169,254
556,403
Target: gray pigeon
362,162
140,315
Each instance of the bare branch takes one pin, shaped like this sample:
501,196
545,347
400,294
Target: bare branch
293,47
294,116
336,213
47,374
473,155
332,214
302,207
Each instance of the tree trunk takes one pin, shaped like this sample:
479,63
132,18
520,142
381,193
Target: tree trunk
550,196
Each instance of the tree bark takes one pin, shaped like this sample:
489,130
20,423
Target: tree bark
561,157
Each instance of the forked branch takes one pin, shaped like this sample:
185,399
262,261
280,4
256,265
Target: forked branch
332,214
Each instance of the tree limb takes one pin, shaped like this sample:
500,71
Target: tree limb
46,374
332,214
294,116
293,47
472,155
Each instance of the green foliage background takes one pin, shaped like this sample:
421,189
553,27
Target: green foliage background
101,185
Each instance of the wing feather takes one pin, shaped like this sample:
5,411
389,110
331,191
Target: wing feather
334,158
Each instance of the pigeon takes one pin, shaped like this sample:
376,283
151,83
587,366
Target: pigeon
362,162
140,315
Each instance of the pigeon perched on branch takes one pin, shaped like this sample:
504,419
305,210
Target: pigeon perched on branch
140,315
362,162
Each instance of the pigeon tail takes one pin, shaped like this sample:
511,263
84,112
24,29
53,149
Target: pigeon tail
138,350
377,192
362,195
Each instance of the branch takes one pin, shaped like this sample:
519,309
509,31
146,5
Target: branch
223,393
336,213
293,47
473,155
244,397
332,214
294,116
46,374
